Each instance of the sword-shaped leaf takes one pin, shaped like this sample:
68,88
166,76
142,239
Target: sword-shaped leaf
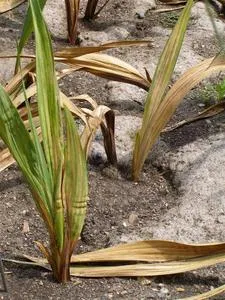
16,137
24,150
47,92
178,91
158,88
27,30
75,184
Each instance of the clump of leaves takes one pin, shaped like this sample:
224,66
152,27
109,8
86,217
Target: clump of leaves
153,120
162,102
208,95
169,19
56,173
220,89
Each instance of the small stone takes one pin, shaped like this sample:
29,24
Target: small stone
140,14
201,105
124,224
180,289
25,212
76,281
145,281
44,274
123,293
221,219
163,291
41,282
133,218
26,227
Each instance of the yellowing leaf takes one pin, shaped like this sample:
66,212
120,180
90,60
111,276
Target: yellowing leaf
6,5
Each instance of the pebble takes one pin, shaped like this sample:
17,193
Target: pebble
201,105
221,219
140,14
180,289
123,292
145,281
124,224
163,291
133,218
26,227
25,212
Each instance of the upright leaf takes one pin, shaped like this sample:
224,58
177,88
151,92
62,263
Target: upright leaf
158,88
27,30
75,187
47,91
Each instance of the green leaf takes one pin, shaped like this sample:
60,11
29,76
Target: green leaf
27,30
158,88
16,137
21,146
75,186
47,92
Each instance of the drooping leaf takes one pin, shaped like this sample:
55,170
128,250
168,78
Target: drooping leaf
73,52
103,116
140,269
109,67
152,258
150,251
6,5
179,90
206,113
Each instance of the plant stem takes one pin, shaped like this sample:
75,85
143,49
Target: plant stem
90,9
72,11
60,263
